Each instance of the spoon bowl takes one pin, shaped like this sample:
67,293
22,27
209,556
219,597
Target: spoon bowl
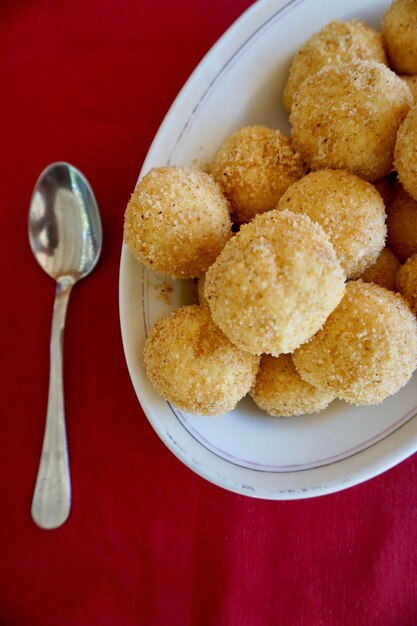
65,236
65,231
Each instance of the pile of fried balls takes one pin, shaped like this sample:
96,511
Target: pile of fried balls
305,248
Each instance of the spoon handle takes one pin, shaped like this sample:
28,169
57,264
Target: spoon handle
52,496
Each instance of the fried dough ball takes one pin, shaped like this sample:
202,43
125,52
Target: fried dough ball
402,224
347,117
338,42
194,366
406,152
254,167
406,282
412,84
384,271
177,221
280,391
274,284
349,209
399,30
367,349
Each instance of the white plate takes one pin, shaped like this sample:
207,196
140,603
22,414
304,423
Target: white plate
240,82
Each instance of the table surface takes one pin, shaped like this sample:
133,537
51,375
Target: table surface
148,542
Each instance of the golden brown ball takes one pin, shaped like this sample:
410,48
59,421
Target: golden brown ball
280,391
275,282
384,270
402,224
194,366
338,42
399,30
406,153
254,167
367,349
177,221
349,209
406,282
347,117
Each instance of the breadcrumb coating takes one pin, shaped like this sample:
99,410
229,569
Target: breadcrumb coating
275,282
367,349
384,271
177,221
412,84
254,167
338,42
399,30
194,366
402,224
406,152
280,391
347,117
406,282
349,209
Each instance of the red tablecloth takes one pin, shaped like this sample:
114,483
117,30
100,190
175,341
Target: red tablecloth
148,542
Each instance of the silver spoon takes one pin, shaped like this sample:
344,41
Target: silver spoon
65,235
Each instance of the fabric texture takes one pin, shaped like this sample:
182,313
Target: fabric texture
148,542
